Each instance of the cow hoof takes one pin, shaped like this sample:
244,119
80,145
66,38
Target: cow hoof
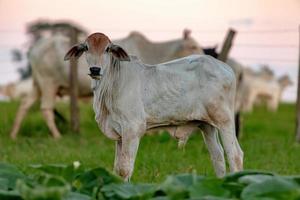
13,137
57,137
181,144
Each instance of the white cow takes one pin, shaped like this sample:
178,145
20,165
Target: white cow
17,90
50,73
130,98
259,87
157,52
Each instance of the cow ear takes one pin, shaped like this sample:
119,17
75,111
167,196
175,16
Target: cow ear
215,47
118,52
75,52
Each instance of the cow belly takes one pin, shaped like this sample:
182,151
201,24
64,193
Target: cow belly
175,111
187,102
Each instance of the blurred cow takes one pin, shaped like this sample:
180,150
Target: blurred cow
51,74
260,87
17,90
265,72
157,52
50,78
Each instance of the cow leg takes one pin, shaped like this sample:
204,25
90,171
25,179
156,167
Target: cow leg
59,116
250,102
49,118
125,163
210,135
237,119
26,103
273,104
47,105
117,156
232,147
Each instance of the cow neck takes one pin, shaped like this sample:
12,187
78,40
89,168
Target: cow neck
105,92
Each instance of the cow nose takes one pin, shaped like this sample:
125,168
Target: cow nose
95,71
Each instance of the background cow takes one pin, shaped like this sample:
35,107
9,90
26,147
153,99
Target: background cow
258,88
17,90
158,52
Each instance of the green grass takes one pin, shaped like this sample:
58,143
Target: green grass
268,144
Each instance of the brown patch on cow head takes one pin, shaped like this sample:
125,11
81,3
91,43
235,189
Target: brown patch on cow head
97,43
94,44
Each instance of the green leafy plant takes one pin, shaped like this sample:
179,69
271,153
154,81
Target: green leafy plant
75,182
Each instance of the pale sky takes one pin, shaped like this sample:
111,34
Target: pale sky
164,20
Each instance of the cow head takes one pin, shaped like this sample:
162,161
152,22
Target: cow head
98,50
212,51
285,81
266,73
187,46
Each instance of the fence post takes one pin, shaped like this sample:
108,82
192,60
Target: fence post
74,110
227,45
298,97
223,57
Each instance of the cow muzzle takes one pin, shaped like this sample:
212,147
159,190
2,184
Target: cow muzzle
95,73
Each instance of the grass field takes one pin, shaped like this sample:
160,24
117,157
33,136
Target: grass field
268,144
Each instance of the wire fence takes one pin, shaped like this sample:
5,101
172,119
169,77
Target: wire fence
281,46
241,46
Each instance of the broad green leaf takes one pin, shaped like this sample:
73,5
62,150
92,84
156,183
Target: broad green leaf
235,188
48,188
273,188
68,172
295,178
9,175
233,177
211,198
55,169
91,181
77,196
9,195
177,186
256,178
161,198
128,191
209,187
4,183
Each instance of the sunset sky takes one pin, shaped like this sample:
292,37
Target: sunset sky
267,29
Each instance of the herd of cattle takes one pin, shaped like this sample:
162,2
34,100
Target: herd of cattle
50,74
179,89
